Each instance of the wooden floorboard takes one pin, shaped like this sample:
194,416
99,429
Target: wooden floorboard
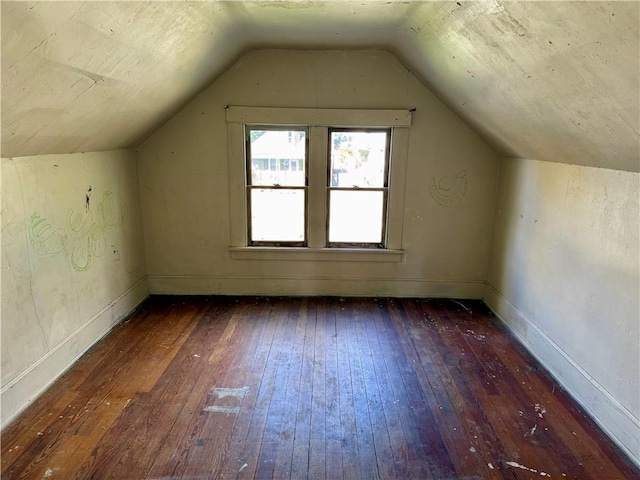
292,388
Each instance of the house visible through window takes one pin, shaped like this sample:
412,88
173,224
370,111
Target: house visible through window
276,186
325,184
356,183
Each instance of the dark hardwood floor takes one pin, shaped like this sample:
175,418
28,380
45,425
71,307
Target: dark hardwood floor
226,387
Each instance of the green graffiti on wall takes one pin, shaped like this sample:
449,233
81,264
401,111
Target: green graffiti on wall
84,235
45,239
90,228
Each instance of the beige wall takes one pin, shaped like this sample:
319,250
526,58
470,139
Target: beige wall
184,179
563,273
70,269
565,277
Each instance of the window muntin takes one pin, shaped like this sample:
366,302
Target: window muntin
277,184
357,187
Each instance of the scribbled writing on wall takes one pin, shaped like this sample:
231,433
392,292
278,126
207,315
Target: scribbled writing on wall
45,239
449,191
83,237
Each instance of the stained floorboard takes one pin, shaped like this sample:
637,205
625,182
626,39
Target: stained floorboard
321,387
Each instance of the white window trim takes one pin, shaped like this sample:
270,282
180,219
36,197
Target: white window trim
318,121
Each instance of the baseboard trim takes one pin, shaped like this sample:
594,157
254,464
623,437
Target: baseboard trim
616,420
312,286
20,392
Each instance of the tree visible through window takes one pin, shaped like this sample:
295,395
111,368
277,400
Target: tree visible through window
357,186
328,182
356,183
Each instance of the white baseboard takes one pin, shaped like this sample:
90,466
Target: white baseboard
313,286
26,387
616,420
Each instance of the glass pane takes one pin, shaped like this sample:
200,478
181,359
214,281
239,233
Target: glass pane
355,217
358,158
277,157
277,215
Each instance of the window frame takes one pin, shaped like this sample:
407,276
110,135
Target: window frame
318,122
250,185
382,244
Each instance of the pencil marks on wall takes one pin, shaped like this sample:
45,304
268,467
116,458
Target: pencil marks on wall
10,229
449,191
83,237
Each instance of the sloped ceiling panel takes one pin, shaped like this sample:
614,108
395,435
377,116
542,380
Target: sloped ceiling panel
99,75
555,81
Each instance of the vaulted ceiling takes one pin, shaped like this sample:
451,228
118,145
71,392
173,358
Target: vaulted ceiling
553,81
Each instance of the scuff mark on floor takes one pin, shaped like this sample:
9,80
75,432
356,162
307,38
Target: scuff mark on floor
517,465
222,392
215,408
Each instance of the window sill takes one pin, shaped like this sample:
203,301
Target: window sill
316,254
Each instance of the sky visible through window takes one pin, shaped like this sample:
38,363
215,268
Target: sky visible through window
356,179
357,161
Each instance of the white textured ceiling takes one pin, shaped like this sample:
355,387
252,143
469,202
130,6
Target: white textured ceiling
554,81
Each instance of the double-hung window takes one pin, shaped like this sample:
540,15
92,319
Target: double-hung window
317,183
277,184
357,185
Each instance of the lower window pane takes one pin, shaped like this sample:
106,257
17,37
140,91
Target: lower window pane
277,215
355,217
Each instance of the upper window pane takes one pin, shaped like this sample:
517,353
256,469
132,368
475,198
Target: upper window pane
358,158
276,156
